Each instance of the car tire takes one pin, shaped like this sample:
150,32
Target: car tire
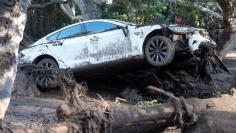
47,80
159,51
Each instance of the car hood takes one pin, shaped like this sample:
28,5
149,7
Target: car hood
39,42
175,28
180,29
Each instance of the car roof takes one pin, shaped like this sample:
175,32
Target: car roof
114,21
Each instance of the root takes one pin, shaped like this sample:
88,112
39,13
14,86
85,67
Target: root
88,115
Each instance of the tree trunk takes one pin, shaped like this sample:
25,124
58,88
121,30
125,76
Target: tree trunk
69,9
170,9
90,9
228,37
12,24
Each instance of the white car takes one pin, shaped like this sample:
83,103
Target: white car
106,44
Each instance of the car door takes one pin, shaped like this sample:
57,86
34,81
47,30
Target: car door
107,42
74,46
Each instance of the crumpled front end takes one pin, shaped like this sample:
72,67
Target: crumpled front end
196,41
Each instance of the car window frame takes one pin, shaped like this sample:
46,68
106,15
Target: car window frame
83,32
53,35
117,27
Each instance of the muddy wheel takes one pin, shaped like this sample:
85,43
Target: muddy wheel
47,80
159,51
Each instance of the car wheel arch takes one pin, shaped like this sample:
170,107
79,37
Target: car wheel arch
39,58
152,34
163,45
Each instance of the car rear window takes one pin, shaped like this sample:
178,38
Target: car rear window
70,32
96,27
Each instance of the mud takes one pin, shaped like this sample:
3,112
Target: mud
37,113
32,112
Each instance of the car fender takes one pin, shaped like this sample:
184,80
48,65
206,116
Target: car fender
148,29
35,52
141,33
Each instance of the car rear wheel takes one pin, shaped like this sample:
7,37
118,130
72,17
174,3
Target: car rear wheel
46,80
159,51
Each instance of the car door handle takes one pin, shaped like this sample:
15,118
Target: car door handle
95,38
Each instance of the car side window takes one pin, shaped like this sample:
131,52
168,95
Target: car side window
97,27
70,32
53,37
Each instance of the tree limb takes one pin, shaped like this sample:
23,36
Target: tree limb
52,2
210,12
66,6
69,10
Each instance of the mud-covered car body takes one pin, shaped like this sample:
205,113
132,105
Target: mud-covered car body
102,44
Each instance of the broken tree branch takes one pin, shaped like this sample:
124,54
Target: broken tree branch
210,12
69,10
170,95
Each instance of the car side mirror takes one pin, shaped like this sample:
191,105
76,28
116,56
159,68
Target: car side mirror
125,30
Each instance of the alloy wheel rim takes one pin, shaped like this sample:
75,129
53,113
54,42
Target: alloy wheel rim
156,51
46,77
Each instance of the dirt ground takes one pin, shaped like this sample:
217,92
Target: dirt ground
36,112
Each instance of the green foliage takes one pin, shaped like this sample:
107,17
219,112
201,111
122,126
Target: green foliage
148,103
190,13
147,11
136,11
43,21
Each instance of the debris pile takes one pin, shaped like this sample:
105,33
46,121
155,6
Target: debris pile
94,116
187,76
201,75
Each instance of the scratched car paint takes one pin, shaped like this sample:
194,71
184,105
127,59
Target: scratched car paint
94,42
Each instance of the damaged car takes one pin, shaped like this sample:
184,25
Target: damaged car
103,46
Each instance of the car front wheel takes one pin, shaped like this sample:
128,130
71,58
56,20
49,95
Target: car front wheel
159,51
46,80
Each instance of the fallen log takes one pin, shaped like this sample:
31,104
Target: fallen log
95,116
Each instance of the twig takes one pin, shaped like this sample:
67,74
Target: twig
170,95
118,99
105,104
